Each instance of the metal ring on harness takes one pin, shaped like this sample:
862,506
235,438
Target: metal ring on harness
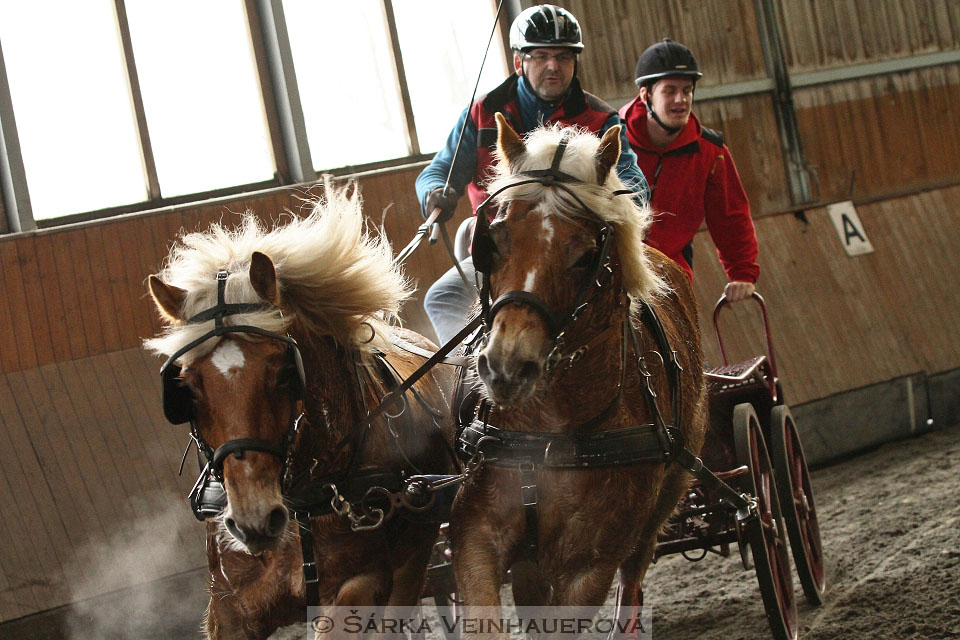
391,398
373,333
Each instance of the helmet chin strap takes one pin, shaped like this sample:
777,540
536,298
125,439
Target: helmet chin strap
670,130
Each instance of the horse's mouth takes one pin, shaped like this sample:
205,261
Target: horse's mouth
257,545
508,395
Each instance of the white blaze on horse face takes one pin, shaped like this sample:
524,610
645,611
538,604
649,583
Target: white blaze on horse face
227,357
548,231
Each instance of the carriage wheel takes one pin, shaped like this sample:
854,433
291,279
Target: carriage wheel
766,533
800,512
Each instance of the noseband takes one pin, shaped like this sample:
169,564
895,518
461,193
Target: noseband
178,404
483,247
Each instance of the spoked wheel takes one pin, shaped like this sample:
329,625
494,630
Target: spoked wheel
799,513
766,533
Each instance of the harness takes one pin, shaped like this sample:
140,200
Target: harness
584,447
366,497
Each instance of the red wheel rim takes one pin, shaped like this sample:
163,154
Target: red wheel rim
804,505
773,533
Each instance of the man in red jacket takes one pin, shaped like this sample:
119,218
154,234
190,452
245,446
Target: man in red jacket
689,169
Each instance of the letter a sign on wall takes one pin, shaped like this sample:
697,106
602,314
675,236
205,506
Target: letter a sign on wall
849,228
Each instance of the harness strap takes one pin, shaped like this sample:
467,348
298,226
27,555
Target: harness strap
525,297
422,371
650,318
456,361
311,577
558,154
707,478
238,446
528,498
631,445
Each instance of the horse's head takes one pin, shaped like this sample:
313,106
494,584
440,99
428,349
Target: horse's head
549,249
241,397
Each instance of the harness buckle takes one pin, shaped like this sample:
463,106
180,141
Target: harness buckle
528,483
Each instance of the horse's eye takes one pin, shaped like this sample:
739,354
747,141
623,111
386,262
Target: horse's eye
585,260
288,378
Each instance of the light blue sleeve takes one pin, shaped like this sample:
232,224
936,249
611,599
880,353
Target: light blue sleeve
627,168
435,174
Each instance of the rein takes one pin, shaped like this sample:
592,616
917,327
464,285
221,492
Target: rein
657,442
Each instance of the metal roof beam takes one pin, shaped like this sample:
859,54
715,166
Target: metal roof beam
13,178
270,20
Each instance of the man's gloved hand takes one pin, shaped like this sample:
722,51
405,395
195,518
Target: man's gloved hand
443,198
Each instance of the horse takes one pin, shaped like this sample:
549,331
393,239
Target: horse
589,369
280,348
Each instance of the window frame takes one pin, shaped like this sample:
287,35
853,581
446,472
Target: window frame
283,112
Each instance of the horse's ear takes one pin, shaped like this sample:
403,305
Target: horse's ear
608,153
263,277
509,145
168,298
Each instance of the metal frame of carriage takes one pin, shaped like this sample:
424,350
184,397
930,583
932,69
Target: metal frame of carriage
754,446
754,441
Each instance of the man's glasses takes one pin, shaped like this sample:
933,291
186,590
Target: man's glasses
542,56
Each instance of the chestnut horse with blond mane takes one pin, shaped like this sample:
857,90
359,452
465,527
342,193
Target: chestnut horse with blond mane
279,353
572,432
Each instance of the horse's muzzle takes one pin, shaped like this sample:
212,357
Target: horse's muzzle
263,535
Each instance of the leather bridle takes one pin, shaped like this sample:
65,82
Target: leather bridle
596,278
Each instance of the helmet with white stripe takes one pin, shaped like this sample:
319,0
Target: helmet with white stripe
545,25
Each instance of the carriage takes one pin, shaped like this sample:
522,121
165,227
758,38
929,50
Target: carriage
754,445
627,311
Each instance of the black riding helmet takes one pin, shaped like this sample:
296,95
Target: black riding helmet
665,59
545,25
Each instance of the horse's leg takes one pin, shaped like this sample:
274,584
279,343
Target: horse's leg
223,620
634,570
587,590
630,588
479,569
408,577
529,587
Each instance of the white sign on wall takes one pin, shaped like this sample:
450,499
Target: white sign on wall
849,228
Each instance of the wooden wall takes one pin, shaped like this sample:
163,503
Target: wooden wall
88,464
823,34
843,322
883,135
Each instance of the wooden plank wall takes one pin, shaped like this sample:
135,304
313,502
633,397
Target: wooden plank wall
843,322
822,34
722,33
86,456
883,135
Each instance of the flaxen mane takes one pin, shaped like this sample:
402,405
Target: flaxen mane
629,219
335,277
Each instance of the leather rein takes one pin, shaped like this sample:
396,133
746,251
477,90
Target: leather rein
656,442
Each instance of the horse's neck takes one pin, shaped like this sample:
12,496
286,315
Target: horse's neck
332,403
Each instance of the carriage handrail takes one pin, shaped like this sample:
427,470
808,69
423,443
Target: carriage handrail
721,303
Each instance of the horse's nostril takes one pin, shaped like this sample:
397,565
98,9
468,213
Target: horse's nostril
277,521
529,371
234,530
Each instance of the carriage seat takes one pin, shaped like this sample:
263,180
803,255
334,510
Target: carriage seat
740,375
461,242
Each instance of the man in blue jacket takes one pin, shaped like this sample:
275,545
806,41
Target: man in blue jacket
544,89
